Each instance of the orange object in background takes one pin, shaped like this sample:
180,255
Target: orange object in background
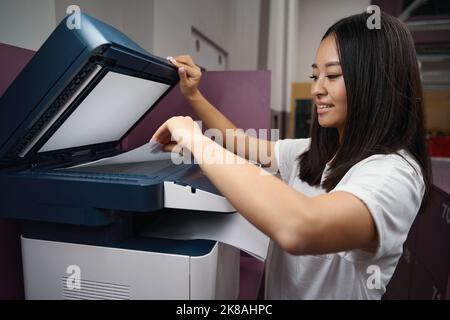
439,147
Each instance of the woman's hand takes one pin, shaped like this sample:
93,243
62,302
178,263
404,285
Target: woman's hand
190,75
179,132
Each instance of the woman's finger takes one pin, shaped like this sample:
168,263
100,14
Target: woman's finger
183,75
170,147
192,72
186,60
176,63
162,135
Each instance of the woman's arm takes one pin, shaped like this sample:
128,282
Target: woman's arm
299,224
247,147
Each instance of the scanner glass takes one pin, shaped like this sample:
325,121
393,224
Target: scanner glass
108,112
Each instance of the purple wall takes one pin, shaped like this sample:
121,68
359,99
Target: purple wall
12,61
441,173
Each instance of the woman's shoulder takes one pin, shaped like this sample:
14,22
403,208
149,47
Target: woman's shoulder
390,168
400,159
386,179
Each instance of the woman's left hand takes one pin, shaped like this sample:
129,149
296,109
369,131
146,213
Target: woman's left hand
178,132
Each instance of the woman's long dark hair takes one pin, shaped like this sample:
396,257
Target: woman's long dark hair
384,102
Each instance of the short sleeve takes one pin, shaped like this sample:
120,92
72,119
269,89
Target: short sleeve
286,155
393,191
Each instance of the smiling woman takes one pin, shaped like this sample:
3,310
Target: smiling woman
328,88
349,195
377,92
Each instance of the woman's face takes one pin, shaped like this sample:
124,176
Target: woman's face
328,88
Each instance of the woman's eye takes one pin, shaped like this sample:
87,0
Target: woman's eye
333,76
313,77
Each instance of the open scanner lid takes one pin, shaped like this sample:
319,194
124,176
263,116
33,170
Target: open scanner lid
102,100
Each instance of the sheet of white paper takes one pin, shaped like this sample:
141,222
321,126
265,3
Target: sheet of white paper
232,229
151,151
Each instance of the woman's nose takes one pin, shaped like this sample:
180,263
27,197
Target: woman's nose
318,88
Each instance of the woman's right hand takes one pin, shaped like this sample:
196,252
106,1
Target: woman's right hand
190,75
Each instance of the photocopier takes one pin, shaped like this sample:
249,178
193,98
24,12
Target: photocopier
83,91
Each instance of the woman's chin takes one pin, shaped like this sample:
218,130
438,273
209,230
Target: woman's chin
326,124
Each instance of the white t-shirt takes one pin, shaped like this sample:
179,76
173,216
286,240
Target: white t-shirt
391,189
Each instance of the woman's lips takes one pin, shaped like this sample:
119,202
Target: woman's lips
323,108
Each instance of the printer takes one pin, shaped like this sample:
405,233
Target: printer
81,94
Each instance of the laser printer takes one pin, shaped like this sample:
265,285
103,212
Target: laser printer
80,95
